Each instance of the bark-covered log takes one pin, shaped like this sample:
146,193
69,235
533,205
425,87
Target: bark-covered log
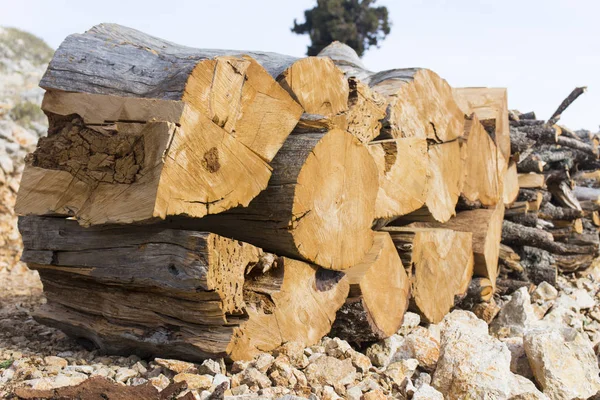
435,256
404,175
551,212
566,103
508,286
319,204
531,164
509,259
154,291
518,235
378,298
528,116
577,145
540,265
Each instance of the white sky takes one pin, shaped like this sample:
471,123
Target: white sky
539,49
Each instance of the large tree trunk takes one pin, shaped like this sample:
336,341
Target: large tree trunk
404,175
378,298
192,295
441,264
319,204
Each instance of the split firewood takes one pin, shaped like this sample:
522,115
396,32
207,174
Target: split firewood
202,294
446,180
490,106
135,172
319,204
480,165
378,299
404,175
532,181
509,259
434,256
511,184
485,225
479,290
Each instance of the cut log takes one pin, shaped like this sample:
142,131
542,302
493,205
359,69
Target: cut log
319,204
481,164
137,172
445,184
578,91
532,181
346,59
518,235
153,291
490,106
554,213
435,256
539,265
421,104
509,259
229,88
531,164
404,175
486,228
366,109
511,184
378,299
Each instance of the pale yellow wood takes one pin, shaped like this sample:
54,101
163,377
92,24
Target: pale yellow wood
366,109
403,166
511,184
531,180
446,180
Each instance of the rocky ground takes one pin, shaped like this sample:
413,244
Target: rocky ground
540,345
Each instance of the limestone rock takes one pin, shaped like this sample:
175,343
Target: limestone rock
402,370
330,371
252,377
294,352
475,365
123,374
544,292
382,352
55,361
516,316
420,345
519,364
194,381
209,367
176,366
411,321
426,392
563,362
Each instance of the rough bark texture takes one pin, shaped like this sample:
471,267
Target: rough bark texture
156,291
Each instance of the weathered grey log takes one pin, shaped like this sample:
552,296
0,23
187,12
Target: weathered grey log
526,122
527,116
531,164
507,286
539,265
587,194
518,235
577,145
551,212
528,219
519,142
566,103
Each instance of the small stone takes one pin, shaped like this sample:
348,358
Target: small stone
381,353
295,352
329,394
194,381
419,345
176,366
360,361
300,377
426,392
375,395
354,393
54,382
563,363
583,299
516,316
219,379
330,371
262,362
519,364
281,372
423,379
137,381
399,371
54,361
209,367
139,368
410,322
239,366
251,376
104,371
239,390
275,392
122,374
337,348
540,310
544,292
84,369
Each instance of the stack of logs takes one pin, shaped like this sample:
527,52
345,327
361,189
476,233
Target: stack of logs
552,219
209,203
